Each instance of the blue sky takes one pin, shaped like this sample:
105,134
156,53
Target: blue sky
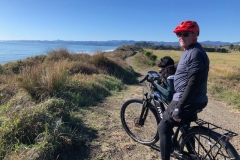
101,20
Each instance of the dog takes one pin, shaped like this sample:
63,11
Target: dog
167,68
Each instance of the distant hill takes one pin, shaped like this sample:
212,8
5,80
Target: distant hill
216,43
126,42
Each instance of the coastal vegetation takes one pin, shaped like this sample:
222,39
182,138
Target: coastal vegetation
42,97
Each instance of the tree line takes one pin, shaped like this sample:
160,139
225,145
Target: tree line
234,47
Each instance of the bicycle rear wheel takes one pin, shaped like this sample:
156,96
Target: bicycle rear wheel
147,132
206,144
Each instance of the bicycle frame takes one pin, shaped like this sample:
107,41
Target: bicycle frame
158,107
159,104
144,112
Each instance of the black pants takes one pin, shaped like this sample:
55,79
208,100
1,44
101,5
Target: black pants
165,128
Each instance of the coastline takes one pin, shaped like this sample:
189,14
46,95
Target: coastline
11,51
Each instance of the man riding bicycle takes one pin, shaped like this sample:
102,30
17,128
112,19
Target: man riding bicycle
190,84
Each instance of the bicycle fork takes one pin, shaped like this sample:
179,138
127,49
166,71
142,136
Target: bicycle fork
140,121
143,114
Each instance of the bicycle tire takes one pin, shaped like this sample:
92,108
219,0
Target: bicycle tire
204,139
130,112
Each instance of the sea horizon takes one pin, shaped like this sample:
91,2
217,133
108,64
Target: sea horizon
14,50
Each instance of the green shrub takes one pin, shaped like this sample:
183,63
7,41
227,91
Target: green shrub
153,57
148,53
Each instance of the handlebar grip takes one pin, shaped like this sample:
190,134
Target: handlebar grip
144,79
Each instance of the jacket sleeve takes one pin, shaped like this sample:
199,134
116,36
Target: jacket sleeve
194,79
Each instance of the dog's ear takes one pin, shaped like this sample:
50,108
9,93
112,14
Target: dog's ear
169,61
162,63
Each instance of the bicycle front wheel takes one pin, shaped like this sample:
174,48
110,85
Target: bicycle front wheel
203,143
146,133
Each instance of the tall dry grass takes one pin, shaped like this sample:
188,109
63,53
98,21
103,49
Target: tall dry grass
41,81
224,77
224,84
8,88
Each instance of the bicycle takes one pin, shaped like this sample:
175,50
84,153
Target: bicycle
203,140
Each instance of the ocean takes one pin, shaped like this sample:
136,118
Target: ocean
11,51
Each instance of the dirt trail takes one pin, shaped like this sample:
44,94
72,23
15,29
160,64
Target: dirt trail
112,142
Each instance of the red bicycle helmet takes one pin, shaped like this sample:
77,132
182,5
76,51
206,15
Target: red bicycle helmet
187,26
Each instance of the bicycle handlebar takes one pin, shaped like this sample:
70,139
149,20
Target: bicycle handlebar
151,76
144,79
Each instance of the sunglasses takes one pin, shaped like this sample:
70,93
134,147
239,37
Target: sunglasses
186,34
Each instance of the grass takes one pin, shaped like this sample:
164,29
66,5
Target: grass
224,84
145,59
224,78
40,94
41,81
7,87
225,59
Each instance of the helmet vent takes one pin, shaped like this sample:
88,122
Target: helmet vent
192,26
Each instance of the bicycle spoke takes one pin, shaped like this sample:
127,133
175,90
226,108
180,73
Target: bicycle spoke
207,145
198,148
